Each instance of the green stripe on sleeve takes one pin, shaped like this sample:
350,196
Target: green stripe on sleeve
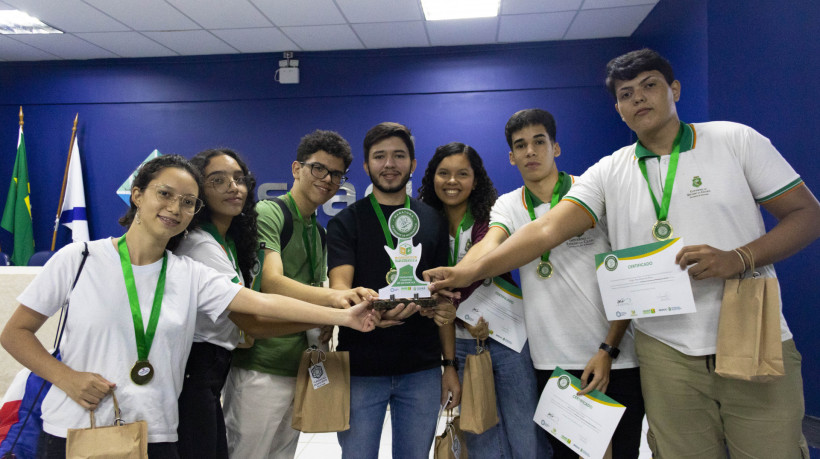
502,226
583,205
796,182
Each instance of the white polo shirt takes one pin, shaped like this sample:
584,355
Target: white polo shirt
724,172
564,314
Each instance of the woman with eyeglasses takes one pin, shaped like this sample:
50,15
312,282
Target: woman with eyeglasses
131,315
222,236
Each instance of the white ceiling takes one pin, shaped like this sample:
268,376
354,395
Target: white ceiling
97,29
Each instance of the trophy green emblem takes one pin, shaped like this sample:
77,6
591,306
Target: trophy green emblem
403,285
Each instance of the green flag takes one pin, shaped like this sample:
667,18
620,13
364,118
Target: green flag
17,214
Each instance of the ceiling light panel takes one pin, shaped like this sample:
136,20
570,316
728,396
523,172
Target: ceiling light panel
18,22
436,10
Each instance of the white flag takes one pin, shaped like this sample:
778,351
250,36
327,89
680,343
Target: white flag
73,214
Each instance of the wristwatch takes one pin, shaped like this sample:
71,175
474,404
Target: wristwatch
450,363
611,350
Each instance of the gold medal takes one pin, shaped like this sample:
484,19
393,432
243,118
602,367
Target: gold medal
142,372
544,269
391,276
662,230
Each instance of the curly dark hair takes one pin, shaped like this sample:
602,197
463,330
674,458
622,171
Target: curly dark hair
330,141
148,172
243,228
481,199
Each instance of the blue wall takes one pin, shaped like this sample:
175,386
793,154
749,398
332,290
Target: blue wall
753,66
762,72
756,65
130,107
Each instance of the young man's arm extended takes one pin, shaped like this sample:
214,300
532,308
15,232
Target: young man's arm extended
495,236
526,244
341,278
798,215
275,281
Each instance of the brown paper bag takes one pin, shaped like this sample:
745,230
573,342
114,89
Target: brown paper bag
478,409
326,408
450,444
119,441
749,345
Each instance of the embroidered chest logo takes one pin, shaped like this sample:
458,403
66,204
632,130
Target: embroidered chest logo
698,189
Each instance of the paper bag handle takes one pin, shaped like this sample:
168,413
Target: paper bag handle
117,414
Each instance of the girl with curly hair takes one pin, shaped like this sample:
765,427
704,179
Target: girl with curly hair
457,185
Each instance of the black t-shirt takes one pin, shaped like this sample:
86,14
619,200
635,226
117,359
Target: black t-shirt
355,238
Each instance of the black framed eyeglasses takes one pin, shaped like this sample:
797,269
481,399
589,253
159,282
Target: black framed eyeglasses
222,183
321,171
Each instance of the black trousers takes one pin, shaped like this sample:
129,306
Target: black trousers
51,447
201,422
625,387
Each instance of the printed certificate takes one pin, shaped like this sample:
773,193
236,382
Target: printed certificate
500,303
644,281
583,423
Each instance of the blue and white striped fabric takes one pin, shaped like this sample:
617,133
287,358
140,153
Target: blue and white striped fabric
73,214
26,393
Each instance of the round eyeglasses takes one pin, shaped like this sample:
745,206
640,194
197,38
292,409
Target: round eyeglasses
222,183
188,203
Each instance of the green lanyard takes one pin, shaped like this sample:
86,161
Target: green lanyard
378,209
562,186
228,246
144,338
309,242
662,210
453,259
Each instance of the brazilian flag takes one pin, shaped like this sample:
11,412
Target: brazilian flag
17,214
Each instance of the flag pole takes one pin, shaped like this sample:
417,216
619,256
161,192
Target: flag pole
21,126
65,179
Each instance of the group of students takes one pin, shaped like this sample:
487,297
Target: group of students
232,291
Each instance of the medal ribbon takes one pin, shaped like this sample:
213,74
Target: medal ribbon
453,258
662,210
309,242
144,338
387,236
558,192
228,246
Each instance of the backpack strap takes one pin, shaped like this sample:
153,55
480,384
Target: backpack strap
287,226
322,236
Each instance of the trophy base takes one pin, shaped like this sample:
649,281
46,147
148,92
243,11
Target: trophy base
386,305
